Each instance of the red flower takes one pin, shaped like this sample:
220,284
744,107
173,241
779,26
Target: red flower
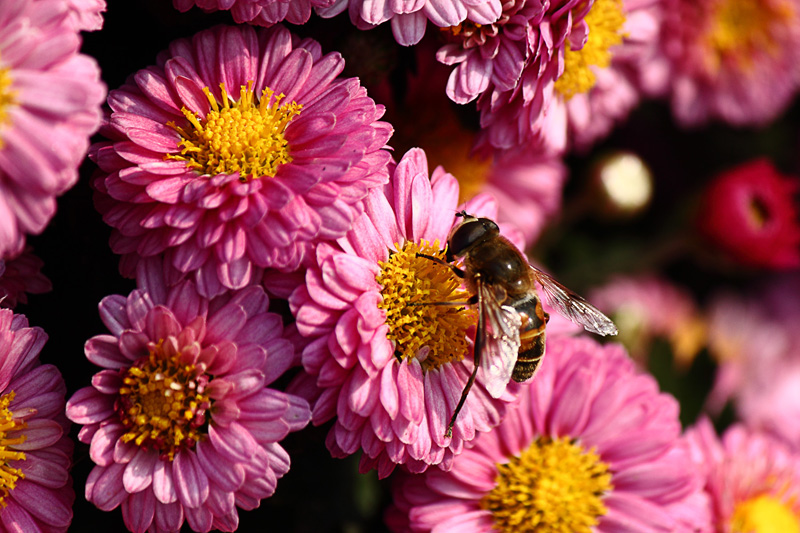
749,212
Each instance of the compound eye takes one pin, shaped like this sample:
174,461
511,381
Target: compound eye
464,236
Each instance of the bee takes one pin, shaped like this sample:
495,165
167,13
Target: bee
509,342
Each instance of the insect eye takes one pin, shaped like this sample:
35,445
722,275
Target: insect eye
464,236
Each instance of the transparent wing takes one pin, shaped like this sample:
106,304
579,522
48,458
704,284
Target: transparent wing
497,341
572,305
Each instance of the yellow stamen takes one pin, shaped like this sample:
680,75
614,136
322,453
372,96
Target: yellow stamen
554,486
162,402
7,98
8,424
765,514
741,30
605,21
431,333
244,136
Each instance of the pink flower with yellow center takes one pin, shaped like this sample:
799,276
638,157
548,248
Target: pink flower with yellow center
583,74
237,160
181,423
591,447
258,12
50,98
35,486
391,372
731,60
752,480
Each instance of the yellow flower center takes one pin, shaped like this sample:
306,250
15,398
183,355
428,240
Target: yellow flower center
605,21
245,136
765,514
741,29
434,334
162,402
8,474
554,486
6,98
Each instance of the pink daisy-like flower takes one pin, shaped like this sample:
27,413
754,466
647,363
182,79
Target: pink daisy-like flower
731,60
87,15
180,421
591,447
648,307
258,12
50,98
20,275
490,53
391,373
409,19
586,66
750,213
36,492
225,185
752,480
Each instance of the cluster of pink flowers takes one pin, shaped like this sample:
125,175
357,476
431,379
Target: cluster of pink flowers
291,267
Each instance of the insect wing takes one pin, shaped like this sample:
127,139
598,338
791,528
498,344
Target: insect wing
572,305
498,340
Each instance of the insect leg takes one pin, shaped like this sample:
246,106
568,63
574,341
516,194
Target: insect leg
477,358
457,271
471,301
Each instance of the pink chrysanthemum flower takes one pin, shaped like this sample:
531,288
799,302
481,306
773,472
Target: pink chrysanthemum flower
750,213
36,492
489,53
752,480
409,19
582,76
87,15
591,447
648,307
258,12
181,423
20,275
50,98
731,60
233,161
391,374
756,342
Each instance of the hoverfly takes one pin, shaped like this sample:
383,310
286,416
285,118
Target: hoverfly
509,343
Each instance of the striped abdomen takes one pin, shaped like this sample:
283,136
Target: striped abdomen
531,336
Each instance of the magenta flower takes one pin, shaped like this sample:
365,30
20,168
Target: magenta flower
233,161
750,214
752,480
50,98
591,447
258,12
35,488
731,60
490,53
389,373
20,275
181,422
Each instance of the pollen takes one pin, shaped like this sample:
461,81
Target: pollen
742,30
162,402
554,486
433,334
765,514
7,99
244,136
9,475
605,21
